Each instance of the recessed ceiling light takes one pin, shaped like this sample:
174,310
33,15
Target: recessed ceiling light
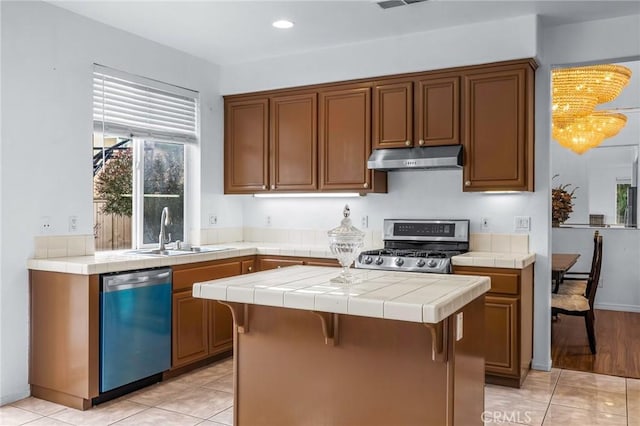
283,24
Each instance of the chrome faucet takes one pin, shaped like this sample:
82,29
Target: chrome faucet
165,220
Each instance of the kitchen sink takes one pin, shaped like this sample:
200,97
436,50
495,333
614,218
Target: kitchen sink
175,252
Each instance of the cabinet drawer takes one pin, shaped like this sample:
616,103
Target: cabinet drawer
502,282
185,279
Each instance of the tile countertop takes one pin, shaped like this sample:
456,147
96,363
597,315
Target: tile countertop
115,261
494,260
405,296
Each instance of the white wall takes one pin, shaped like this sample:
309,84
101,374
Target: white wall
457,46
47,57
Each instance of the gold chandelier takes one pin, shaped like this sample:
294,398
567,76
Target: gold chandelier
576,92
589,131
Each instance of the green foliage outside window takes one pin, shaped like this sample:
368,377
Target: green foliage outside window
114,183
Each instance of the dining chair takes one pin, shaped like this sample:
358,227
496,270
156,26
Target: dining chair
576,282
582,304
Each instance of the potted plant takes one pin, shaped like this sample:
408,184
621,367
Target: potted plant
561,203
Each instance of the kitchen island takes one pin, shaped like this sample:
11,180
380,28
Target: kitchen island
396,348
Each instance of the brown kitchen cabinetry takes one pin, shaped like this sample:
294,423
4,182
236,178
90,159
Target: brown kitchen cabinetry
246,145
437,111
272,262
498,127
508,323
345,140
289,152
201,328
393,115
424,111
294,142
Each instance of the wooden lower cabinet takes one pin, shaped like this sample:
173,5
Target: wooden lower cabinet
201,328
64,338
265,263
508,323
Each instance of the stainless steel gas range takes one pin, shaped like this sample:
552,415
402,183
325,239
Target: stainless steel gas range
418,245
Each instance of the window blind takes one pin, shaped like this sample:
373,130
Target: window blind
128,105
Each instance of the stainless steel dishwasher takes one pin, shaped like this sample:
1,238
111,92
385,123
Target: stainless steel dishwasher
135,326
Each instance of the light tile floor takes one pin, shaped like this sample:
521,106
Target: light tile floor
205,397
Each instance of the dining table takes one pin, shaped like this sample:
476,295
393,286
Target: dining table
560,264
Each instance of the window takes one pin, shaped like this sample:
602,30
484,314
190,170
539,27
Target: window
143,130
622,188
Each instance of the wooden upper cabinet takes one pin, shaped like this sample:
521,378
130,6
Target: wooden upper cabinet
437,111
393,115
294,142
345,138
246,145
498,115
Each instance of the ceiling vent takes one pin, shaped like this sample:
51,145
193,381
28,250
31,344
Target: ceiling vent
388,4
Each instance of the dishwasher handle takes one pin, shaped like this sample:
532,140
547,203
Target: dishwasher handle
129,280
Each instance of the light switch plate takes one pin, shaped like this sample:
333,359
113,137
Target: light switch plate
521,223
459,326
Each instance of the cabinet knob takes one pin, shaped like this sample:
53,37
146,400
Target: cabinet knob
250,269
365,185
273,187
264,186
467,183
279,266
421,142
407,143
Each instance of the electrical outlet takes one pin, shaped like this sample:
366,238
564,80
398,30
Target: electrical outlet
267,220
364,222
73,223
45,225
521,223
213,219
600,283
484,223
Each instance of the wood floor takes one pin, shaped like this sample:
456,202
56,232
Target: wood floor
617,340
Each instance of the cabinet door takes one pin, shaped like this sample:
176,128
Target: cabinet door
190,329
265,264
294,142
246,146
220,327
501,335
437,111
393,115
498,105
345,139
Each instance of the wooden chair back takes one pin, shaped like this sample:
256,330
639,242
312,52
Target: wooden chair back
596,268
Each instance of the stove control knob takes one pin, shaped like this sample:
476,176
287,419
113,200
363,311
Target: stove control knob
420,263
379,261
432,263
399,261
367,260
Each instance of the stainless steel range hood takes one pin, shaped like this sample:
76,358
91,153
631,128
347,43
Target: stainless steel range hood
421,158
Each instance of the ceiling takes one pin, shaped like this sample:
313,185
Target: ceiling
225,32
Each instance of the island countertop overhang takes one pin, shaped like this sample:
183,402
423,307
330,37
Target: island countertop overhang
404,296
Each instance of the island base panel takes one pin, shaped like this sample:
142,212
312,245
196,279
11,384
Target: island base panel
380,372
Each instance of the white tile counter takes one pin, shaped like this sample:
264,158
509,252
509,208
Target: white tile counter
494,259
406,296
115,261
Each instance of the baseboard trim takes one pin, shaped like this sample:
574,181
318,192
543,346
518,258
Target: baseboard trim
617,307
542,366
